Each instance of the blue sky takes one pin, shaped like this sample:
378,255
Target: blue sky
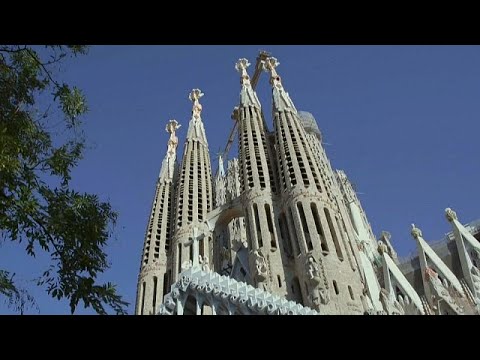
402,121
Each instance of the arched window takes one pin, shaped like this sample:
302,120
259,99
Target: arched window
308,240
190,306
284,233
297,291
166,279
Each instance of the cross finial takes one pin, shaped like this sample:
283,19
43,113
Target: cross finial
242,65
194,96
171,127
270,64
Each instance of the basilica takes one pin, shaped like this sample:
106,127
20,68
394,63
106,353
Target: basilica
278,231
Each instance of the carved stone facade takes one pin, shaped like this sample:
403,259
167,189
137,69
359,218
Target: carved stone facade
282,232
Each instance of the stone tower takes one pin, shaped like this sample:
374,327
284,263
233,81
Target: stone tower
323,276
280,231
194,200
153,279
266,255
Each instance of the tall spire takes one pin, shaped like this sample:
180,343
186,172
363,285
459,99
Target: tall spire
168,165
281,99
154,278
196,131
310,213
194,194
247,95
258,184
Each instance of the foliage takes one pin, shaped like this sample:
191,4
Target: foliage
40,143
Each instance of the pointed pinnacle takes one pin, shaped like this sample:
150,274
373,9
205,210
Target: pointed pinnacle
416,232
242,65
450,214
172,126
194,96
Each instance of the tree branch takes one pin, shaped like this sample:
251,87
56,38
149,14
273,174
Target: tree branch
44,68
4,49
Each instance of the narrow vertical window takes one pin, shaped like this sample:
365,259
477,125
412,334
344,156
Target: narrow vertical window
335,287
273,243
248,230
155,282
201,247
303,219
165,283
257,225
143,299
294,234
191,248
279,281
353,253
297,291
190,306
351,292
338,249
210,248
318,226
179,258
284,233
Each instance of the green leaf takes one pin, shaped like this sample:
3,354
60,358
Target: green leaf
37,204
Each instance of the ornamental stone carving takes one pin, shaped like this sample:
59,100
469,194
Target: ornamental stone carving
450,214
194,96
416,232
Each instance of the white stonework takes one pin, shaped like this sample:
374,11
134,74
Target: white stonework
279,231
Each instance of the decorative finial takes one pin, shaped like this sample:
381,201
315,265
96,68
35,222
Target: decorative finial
171,127
235,113
385,235
242,65
430,273
416,232
382,248
269,65
450,214
194,96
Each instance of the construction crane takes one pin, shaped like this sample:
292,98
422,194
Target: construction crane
262,56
